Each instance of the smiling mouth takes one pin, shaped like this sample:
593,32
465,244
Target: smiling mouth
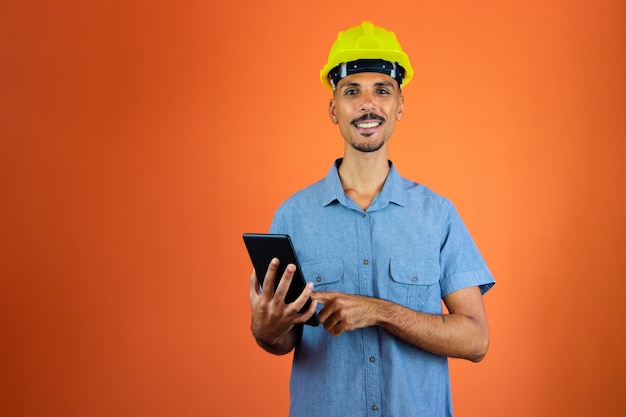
368,125
368,121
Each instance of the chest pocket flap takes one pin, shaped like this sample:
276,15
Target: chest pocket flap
414,272
322,273
415,284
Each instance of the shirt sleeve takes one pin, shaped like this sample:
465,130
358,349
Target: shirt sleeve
279,222
461,263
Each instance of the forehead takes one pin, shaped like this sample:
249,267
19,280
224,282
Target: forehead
367,79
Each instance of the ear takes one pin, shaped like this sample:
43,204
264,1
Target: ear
332,111
400,108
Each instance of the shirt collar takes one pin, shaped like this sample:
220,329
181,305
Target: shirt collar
391,193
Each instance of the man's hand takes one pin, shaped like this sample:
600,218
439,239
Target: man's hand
273,320
345,312
463,333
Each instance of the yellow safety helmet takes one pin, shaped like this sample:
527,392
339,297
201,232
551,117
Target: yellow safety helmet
366,48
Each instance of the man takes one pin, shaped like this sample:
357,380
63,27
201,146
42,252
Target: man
381,252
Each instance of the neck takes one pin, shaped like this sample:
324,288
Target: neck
362,178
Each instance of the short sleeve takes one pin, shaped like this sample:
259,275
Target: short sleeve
461,263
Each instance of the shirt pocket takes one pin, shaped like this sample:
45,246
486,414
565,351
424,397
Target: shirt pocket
325,275
415,284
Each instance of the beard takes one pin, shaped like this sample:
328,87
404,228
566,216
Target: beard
368,147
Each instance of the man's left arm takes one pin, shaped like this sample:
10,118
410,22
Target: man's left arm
462,333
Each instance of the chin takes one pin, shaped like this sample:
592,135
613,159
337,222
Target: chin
368,147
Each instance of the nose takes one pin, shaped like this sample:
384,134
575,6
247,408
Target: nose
367,104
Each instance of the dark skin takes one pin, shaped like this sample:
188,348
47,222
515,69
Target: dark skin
462,332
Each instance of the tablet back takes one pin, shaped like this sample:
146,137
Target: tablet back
262,248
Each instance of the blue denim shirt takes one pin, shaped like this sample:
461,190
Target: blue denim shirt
410,247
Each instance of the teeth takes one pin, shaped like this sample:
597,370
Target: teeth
367,125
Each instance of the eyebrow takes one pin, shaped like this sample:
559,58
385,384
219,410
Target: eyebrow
376,84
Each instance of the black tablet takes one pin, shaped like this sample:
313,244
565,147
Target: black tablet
262,248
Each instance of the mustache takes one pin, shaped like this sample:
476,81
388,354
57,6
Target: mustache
366,117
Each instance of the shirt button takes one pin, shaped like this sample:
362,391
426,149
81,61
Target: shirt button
414,279
366,262
318,279
372,359
374,407
363,215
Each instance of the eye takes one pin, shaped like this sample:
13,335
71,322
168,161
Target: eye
350,91
383,91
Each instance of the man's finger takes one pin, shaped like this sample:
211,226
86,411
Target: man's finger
270,277
309,312
255,287
299,302
285,282
323,297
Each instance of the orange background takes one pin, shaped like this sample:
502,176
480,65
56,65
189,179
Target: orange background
140,139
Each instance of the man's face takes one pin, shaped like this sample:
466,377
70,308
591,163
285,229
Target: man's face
366,107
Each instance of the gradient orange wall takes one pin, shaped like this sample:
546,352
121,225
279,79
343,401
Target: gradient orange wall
139,139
